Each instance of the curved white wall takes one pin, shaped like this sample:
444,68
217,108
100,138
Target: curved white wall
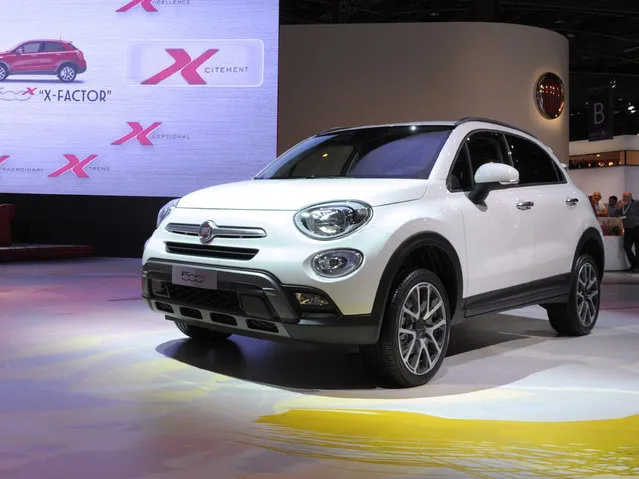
342,75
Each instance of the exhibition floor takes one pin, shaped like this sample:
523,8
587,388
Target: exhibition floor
93,384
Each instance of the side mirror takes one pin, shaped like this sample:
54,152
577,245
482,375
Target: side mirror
491,176
19,51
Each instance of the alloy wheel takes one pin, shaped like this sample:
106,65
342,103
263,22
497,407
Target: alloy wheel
422,328
3,74
67,73
587,294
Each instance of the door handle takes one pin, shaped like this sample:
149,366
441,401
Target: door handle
572,201
525,205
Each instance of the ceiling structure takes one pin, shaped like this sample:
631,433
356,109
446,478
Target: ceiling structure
603,37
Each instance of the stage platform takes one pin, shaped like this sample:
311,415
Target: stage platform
93,384
36,252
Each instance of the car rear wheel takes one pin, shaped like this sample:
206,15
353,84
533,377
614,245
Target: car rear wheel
203,335
415,331
4,72
579,315
67,73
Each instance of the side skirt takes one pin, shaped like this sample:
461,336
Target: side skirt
551,290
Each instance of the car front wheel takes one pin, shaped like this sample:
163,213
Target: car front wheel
4,72
203,335
67,73
579,315
415,331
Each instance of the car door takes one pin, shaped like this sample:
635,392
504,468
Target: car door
29,59
557,227
499,232
52,56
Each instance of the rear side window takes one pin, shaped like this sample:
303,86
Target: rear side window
535,166
53,47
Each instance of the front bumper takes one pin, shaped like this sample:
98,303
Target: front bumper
252,303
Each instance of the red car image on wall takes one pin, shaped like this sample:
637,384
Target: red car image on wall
43,57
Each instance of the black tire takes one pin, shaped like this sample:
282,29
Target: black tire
4,72
385,356
72,73
201,335
575,318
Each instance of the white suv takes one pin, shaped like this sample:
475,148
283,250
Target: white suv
382,237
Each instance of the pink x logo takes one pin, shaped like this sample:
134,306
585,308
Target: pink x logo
184,64
29,91
138,132
3,158
146,4
74,165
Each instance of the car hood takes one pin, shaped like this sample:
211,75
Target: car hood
294,194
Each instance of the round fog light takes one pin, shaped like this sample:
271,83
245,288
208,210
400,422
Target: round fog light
333,264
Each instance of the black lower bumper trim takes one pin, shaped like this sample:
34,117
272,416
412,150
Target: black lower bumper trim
348,330
353,330
264,308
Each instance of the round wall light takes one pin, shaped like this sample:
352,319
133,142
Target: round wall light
550,95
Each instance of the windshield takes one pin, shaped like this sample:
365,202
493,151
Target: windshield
377,152
16,47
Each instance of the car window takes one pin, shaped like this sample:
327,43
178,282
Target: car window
403,151
535,166
53,47
31,47
560,173
486,147
461,175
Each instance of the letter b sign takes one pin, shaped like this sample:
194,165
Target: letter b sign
598,113
600,117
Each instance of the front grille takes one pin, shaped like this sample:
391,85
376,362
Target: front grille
218,231
227,301
222,252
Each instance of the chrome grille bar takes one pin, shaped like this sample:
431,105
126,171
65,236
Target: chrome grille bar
219,232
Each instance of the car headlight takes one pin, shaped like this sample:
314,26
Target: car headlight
166,211
333,220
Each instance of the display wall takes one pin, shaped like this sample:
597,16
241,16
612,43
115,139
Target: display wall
180,95
143,99
608,180
340,75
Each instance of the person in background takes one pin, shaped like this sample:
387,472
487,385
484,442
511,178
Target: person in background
612,206
628,210
595,201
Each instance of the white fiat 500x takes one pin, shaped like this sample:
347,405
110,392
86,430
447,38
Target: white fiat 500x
381,237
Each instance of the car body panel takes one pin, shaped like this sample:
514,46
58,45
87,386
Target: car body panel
507,255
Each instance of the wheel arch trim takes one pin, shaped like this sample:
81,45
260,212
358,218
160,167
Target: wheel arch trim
590,234
64,63
414,242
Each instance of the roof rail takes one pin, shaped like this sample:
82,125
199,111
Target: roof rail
466,119
330,130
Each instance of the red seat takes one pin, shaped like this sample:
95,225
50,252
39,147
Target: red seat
6,214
